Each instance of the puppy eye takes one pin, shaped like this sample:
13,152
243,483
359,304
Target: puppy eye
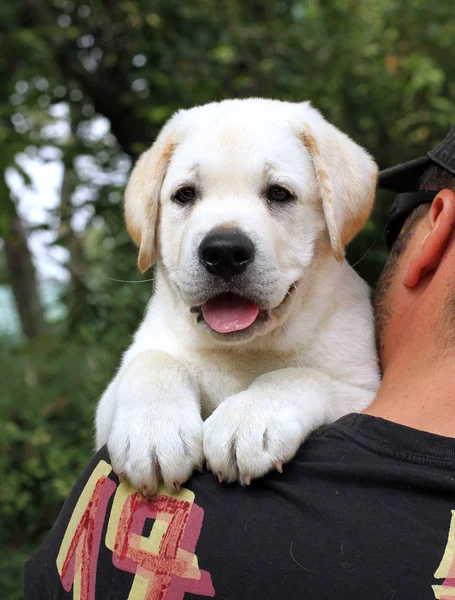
276,193
185,195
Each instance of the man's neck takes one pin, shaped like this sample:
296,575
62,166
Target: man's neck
421,396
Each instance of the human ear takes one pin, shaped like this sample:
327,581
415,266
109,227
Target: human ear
440,223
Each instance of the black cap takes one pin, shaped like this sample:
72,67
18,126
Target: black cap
406,178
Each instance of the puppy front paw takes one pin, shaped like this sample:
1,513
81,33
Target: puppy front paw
149,445
250,434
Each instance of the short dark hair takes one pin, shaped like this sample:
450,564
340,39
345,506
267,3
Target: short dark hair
437,178
434,178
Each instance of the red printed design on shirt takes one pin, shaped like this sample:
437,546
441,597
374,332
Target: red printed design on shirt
446,569
78,556
164,563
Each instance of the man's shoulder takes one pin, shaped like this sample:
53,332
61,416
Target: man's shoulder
237,541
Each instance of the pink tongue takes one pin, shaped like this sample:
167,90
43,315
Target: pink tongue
229,313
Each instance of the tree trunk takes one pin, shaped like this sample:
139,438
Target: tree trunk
20,268
77,289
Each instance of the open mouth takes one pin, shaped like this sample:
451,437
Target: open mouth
228,312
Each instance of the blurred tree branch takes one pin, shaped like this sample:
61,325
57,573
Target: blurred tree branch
20,266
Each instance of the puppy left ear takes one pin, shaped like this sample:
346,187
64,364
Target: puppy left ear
142,196
346,176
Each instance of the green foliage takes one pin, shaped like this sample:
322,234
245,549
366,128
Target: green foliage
47,402
381,70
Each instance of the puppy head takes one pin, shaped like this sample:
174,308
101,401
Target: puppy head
233,198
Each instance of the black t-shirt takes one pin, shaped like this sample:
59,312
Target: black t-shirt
365,511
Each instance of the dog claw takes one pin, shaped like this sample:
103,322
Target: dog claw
177,486
207,465
220,477
279,466
247,479
121,477
199,468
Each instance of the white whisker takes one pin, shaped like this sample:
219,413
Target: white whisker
127,281
367,252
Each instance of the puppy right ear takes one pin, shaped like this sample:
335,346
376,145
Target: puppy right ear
346,175
142,196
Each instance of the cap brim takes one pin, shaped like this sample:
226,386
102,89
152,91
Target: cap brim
405,177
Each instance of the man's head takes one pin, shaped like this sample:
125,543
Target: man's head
415,297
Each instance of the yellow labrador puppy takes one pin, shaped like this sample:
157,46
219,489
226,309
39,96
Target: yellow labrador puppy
258,331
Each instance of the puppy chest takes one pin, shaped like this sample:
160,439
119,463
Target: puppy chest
219,378
217,384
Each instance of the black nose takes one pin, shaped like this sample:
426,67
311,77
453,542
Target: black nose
226,253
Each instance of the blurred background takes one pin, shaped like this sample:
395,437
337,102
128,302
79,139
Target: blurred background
85,87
